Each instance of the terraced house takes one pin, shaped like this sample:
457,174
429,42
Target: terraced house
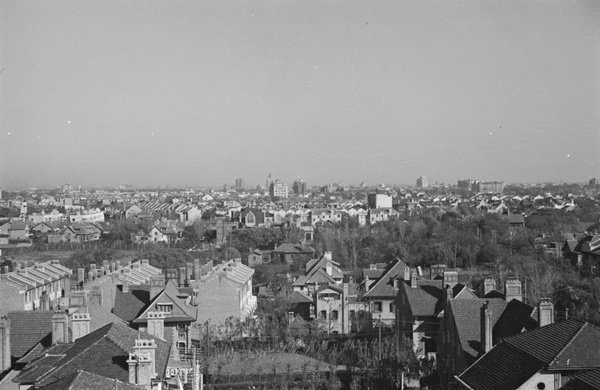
39,287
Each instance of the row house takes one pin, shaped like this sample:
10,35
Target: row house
89,216
381,215
39,287
225,291
321,216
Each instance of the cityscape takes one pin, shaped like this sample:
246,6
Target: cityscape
299,195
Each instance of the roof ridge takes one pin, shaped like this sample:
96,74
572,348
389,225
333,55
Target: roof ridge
77,375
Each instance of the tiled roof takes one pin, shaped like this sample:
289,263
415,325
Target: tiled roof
587,380
546,342
83,380
181,310
567,345
467,317
503,368
424,300
298,297
516,317
28,328
129,305
103,352
384,286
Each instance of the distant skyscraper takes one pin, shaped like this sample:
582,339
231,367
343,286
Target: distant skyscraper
593,182
422,182
269,181
239,183
278,189
299,187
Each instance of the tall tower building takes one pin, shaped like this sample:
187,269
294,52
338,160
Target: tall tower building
269,181
299,187
422,182
278,189
239,183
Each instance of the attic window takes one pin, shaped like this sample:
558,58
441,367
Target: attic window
164,307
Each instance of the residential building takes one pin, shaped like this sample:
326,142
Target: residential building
289,253
470,328
39,287
380,215
422,182
321,216
556,356
299,187
377,200
278,189
380,292
224,291
319,272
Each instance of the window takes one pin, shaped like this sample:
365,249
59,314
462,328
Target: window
377,307
391,307
164,307
324,314
352,314
334,315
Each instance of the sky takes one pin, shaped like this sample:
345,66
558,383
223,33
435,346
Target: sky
199,93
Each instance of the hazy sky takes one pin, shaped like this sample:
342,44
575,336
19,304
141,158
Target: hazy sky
202,92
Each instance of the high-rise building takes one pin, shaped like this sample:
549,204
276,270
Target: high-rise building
299,187
278,189
422,182
377,201
239,183
269,181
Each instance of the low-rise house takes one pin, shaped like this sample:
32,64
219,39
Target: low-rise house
19,231
224,291
39,287
289,253
380,215
319,272
380,294
321,216
545,358
470,328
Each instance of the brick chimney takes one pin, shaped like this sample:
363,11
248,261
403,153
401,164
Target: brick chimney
486,327
60,328
80,325
80,276
5,351
451,278
513,289
106,265
96,295
545,312
413,280
156,324
140,370
189,272
407,274
181,276
489,284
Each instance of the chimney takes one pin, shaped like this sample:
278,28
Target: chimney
125,287
5,351
513,289
545,312
181,276
156,324
93,272
140,366
80,325
486,328
197,269
413,280
118,264
407,274
489,285
78,298
80,276
96,295
106,265
113,267
189,272
145,262
157,284
147,347
329,268
44,301
60,328
451,278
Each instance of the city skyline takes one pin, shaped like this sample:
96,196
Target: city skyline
199,94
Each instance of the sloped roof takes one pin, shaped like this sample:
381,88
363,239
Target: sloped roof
28,328
467,318
130,304
516,317
587,380
424,300
103,352
559,346
298,297
83,380
182,311
384,286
